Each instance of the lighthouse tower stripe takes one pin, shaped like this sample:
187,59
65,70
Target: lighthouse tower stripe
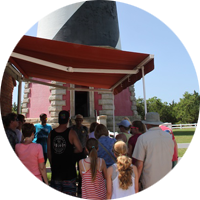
118,46
94,23
90,23
52,23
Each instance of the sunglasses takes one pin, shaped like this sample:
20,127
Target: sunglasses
134,127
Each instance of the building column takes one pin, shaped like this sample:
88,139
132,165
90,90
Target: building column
57,102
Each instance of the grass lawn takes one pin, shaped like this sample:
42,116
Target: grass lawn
49,173
183,135
186,152
186,136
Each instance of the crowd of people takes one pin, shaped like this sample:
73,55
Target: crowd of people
90,163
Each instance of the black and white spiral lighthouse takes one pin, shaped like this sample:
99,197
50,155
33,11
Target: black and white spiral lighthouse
92,23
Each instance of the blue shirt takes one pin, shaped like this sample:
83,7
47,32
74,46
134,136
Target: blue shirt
108,143
41,135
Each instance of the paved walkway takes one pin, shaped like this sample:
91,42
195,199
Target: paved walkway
189,189
183,145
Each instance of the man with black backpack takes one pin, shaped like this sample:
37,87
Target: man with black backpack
82,132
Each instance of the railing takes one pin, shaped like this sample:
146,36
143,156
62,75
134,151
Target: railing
181,126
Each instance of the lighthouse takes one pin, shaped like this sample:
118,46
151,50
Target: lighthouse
93,23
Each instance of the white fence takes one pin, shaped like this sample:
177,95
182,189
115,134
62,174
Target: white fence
180,126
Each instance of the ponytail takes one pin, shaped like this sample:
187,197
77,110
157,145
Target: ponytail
125,171
93,162
92,146
123,165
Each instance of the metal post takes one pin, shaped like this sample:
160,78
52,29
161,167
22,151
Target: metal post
144,92
114,114
19,97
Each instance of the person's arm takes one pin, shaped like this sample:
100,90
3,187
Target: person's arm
43,172
87,137
80,167
104,169
130,150
197,171
176,147
49,147
136,179
139,164
109,182
75,140
11,161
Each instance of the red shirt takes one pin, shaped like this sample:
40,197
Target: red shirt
132,141
166,129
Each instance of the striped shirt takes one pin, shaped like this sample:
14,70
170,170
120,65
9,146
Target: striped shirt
93,190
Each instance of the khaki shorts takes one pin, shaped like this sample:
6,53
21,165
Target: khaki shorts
171,196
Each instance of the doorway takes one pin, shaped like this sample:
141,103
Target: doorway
82,103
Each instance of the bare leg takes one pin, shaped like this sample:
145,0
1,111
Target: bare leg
177,192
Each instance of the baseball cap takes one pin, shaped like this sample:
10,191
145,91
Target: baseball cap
63,117
124,123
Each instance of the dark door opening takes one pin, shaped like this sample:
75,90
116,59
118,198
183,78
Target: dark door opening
82,103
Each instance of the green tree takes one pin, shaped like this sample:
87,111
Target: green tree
14,107
187,110
140,107
155,104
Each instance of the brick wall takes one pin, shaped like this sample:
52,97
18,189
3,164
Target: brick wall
7,86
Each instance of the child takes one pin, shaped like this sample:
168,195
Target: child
93,173
31,154
122,177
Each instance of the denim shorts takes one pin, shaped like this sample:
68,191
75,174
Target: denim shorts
65,186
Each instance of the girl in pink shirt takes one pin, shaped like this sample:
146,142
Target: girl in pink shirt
31,154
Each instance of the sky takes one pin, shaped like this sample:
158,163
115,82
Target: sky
140,31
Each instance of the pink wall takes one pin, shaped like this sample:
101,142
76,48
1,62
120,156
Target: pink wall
96,102
39,102
66,98
123,103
